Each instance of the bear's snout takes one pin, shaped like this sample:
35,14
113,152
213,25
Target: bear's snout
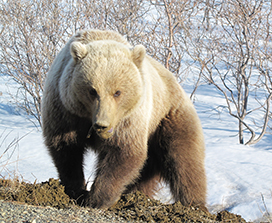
103,129
100,127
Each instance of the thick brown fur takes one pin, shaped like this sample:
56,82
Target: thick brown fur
103,94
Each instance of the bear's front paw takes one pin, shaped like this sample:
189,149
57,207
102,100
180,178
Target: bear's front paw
81,197
102,202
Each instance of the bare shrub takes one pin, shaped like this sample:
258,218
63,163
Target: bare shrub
231,49
32,34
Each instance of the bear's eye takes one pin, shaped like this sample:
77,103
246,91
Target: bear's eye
117,94
93,92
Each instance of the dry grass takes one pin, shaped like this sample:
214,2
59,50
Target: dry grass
7,152
10,180
267,217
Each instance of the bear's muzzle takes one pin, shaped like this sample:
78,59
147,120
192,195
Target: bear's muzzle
103,132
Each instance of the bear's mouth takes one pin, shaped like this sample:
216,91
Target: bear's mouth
105,133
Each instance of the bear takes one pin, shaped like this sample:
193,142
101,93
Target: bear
104,94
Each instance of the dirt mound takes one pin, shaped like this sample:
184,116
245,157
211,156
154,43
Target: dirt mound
137,206
132,207
49,193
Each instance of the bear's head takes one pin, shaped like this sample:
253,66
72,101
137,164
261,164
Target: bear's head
103,82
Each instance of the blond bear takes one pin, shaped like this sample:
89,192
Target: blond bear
102,93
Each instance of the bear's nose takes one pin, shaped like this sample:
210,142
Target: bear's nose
100,126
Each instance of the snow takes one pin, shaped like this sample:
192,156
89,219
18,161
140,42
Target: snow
239,176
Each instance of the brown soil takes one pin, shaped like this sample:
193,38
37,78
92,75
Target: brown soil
132,207
49,193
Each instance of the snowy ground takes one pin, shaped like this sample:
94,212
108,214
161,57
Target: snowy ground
239,177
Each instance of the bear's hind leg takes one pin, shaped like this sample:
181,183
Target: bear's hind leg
183,164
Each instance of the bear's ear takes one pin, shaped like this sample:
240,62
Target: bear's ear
78,50
138,55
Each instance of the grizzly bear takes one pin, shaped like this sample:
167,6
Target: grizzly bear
102,93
